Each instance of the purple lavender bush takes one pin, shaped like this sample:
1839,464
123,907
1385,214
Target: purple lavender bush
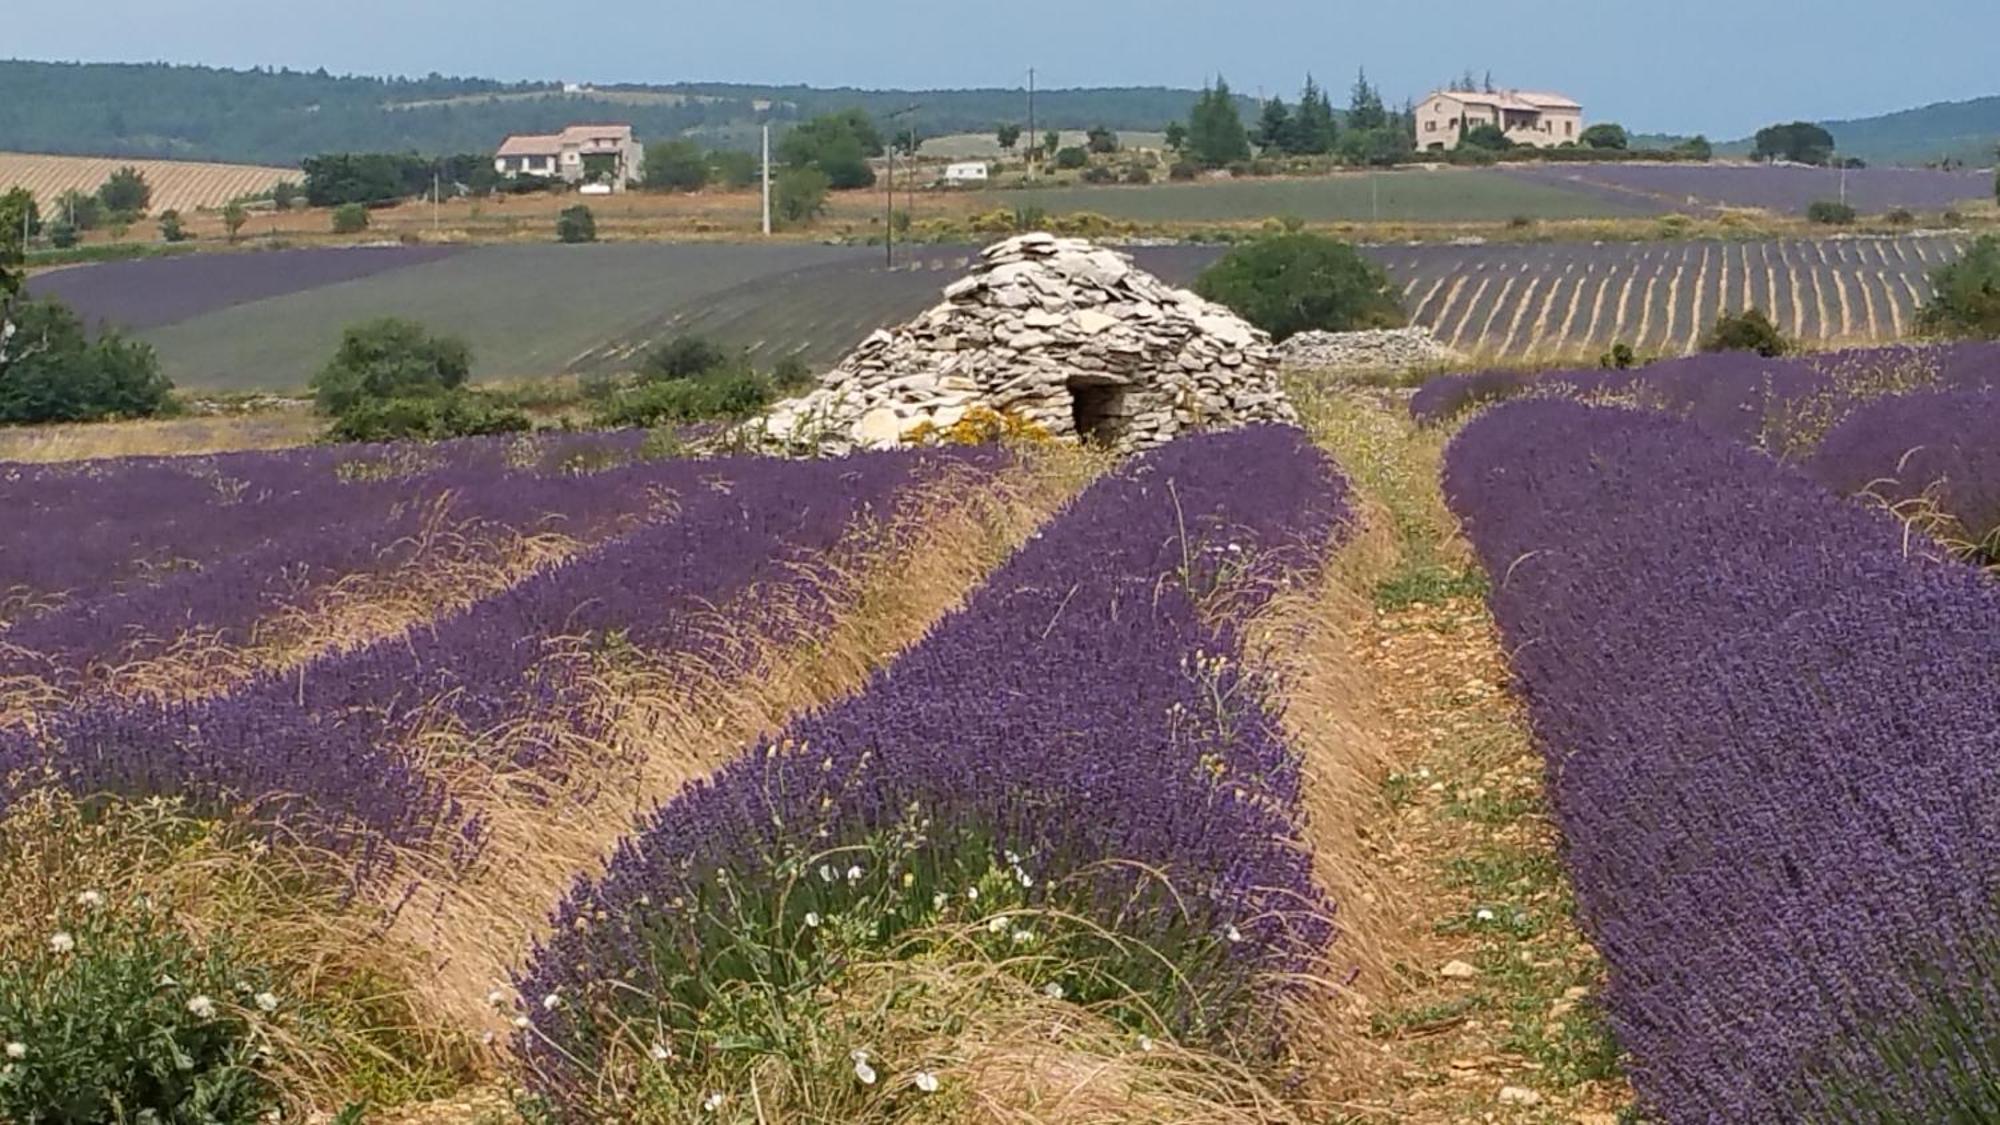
1773,753
1944,446
1078,738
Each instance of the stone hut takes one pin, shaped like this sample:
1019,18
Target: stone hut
1055,331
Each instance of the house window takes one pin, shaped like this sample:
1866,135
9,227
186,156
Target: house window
1431,126
1569,128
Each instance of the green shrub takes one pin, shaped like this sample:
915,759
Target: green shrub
1829,213
791,374
1966,294
1183,170
798,195
121,1017
350,218
284,193
1137,174
1100,174
576,224
1748,331
171,229
389,358
1294,282
1901,217
685,357
125,192
737,394
1072,158
430,417
1619,358
55,373
63,234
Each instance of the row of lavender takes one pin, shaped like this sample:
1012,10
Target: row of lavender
1774,756
1079,741
327,747
117,560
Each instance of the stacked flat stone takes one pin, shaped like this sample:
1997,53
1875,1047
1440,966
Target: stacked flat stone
1391,349
1052,331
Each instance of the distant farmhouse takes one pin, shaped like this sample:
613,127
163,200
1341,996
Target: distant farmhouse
605,157
1527,118
965,172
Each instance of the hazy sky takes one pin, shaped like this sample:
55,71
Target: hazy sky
1722,67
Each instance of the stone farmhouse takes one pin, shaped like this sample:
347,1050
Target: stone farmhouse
1527,118
604,156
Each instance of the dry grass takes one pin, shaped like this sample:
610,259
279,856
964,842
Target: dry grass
677,719
161,437
181,185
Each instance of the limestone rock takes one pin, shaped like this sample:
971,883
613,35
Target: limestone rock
1393,349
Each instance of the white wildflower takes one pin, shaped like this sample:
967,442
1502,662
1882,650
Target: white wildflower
552,1001
1024,878
864,1072
926,1081
17,1050
486,1038
497,997
1236,548
812,920
712,1102
938,900
660,1052
267,1002
858,1055
1052,990
1023,937
1484,915
1145,1043
167,981
998,925
1233,934
202,1007
523,1022
1014,859
61,942
972,894
826,873
854,873
89,900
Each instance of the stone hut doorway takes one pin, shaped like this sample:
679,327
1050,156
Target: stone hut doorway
1099,410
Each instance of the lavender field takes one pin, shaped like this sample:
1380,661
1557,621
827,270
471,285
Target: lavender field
1784,188
1219,783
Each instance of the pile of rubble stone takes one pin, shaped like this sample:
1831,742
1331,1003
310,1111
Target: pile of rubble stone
1056,332
1390,349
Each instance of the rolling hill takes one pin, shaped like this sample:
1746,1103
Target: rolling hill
1968,131
278,117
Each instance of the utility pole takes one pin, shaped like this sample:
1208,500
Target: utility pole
889,208
1034,138
767,179
437,183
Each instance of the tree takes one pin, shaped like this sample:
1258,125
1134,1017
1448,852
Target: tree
576,224
1051,141
1800,142
798,195
907,141
1364,105
20,215
1276,131
52,371
1966,294
1290,283
365,177
1313,125
63,235
675,166
1748,331
838,144
1696,148
1101,140
171,229
283,194
1215,130
685,357
1605,135
1176,137
81,210
1072,158
1009,135
350,218
733,168
1488,136
234,215
1377,148
125,192
389,358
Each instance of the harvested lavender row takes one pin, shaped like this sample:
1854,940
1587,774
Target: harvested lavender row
346,531
1736,394
85,529
1078,724
321,745
1946,445
1773,752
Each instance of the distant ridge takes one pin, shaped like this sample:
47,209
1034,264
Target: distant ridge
1963,130
278,117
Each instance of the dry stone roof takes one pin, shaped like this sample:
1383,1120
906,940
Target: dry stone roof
1058,332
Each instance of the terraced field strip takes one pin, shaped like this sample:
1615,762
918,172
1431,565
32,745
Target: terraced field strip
1662,297
179,184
